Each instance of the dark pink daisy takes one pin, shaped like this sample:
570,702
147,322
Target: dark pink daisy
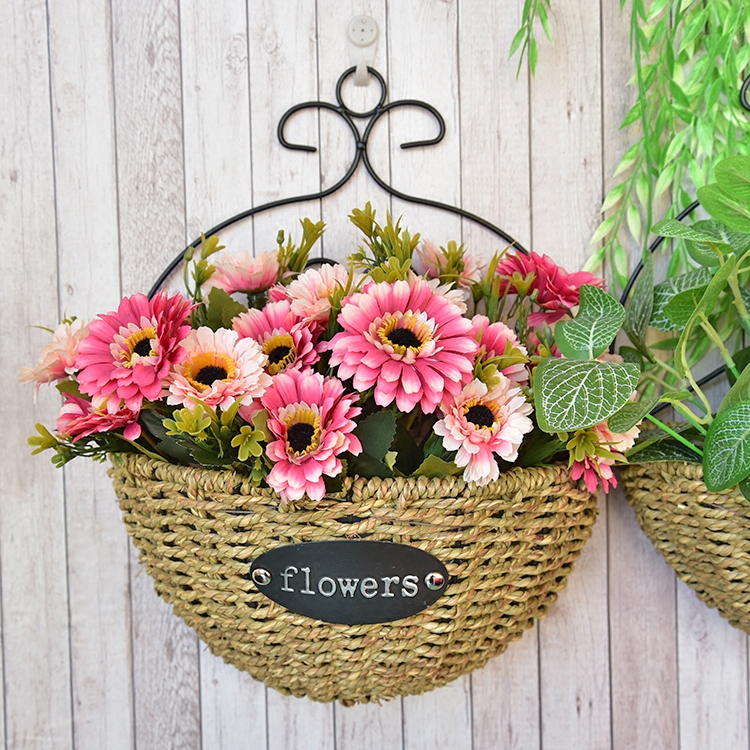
406,340
282,334
557,290
127,354
79,418
312,420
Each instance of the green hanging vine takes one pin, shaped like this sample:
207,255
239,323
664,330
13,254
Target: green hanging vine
690,57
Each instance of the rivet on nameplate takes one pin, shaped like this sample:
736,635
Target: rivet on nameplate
434,581
261,577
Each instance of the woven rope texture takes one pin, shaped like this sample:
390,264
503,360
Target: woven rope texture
508,547
704,536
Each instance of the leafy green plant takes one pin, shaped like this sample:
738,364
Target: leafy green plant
708,307
690,59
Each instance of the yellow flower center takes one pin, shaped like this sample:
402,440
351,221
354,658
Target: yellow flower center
137,343
403,332
280,352
302,431
205,368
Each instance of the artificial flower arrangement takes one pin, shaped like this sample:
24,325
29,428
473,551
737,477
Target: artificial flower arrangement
700,314
409,360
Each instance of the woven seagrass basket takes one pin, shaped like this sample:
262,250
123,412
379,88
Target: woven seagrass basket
704,536
508,547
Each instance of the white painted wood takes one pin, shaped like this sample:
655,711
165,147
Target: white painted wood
152,227
216,124
298,723
88,252
369,725
713,666
36,656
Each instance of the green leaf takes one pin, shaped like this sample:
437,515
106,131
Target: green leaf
613,197
517,39
630,415
733,176
603,230
638,313
376,432
572,395
628,158
704,307
738,393
665,179
433,466
633,217
222,309
667,290
741,361
726,455
744,487
364,465
595,326
725,207
679,309
664,450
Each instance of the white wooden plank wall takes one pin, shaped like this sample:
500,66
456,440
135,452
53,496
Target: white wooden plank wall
126,128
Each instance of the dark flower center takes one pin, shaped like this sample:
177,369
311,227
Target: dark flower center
143,348
278,353
208,374
480,415
300,436
404,337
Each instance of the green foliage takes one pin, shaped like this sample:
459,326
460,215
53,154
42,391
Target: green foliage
525,39
433,466
293,258
690,58
726,459
222,309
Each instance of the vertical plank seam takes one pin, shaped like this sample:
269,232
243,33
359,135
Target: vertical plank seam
186,240
389,198
2,663
250,144
321,245
57,258
133,724
677,660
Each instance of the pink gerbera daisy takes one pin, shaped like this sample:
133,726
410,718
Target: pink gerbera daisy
312,420
244,273
497,340
407,341
557,290
282,335
79,418
129,353
219,368
478,425
58,357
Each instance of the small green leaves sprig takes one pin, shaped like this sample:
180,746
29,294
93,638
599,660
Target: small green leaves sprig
708,306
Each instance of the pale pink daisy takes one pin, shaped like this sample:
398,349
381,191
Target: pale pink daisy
312,420
498,340
479,425
57,358
129,353
432,263
408,342
309,293
219,368
282,335
80,418
243,272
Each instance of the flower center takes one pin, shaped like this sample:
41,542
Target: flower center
280,352
302,430
404,332
480,415
205,368
137,345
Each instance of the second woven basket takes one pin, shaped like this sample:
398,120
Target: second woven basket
704,536
508,547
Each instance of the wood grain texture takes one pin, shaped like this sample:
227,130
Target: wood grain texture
36,655
122,137
89,261
152,215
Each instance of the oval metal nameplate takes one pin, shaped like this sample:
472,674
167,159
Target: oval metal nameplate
351,582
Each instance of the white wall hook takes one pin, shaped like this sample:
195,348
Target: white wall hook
362,37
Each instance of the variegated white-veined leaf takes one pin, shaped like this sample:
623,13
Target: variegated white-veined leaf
630,415
726,455
599,318
571,395
664,292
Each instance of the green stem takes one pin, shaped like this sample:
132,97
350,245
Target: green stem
714,336
690,417
675,435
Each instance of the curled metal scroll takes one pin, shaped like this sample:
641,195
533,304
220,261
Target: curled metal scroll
361,155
